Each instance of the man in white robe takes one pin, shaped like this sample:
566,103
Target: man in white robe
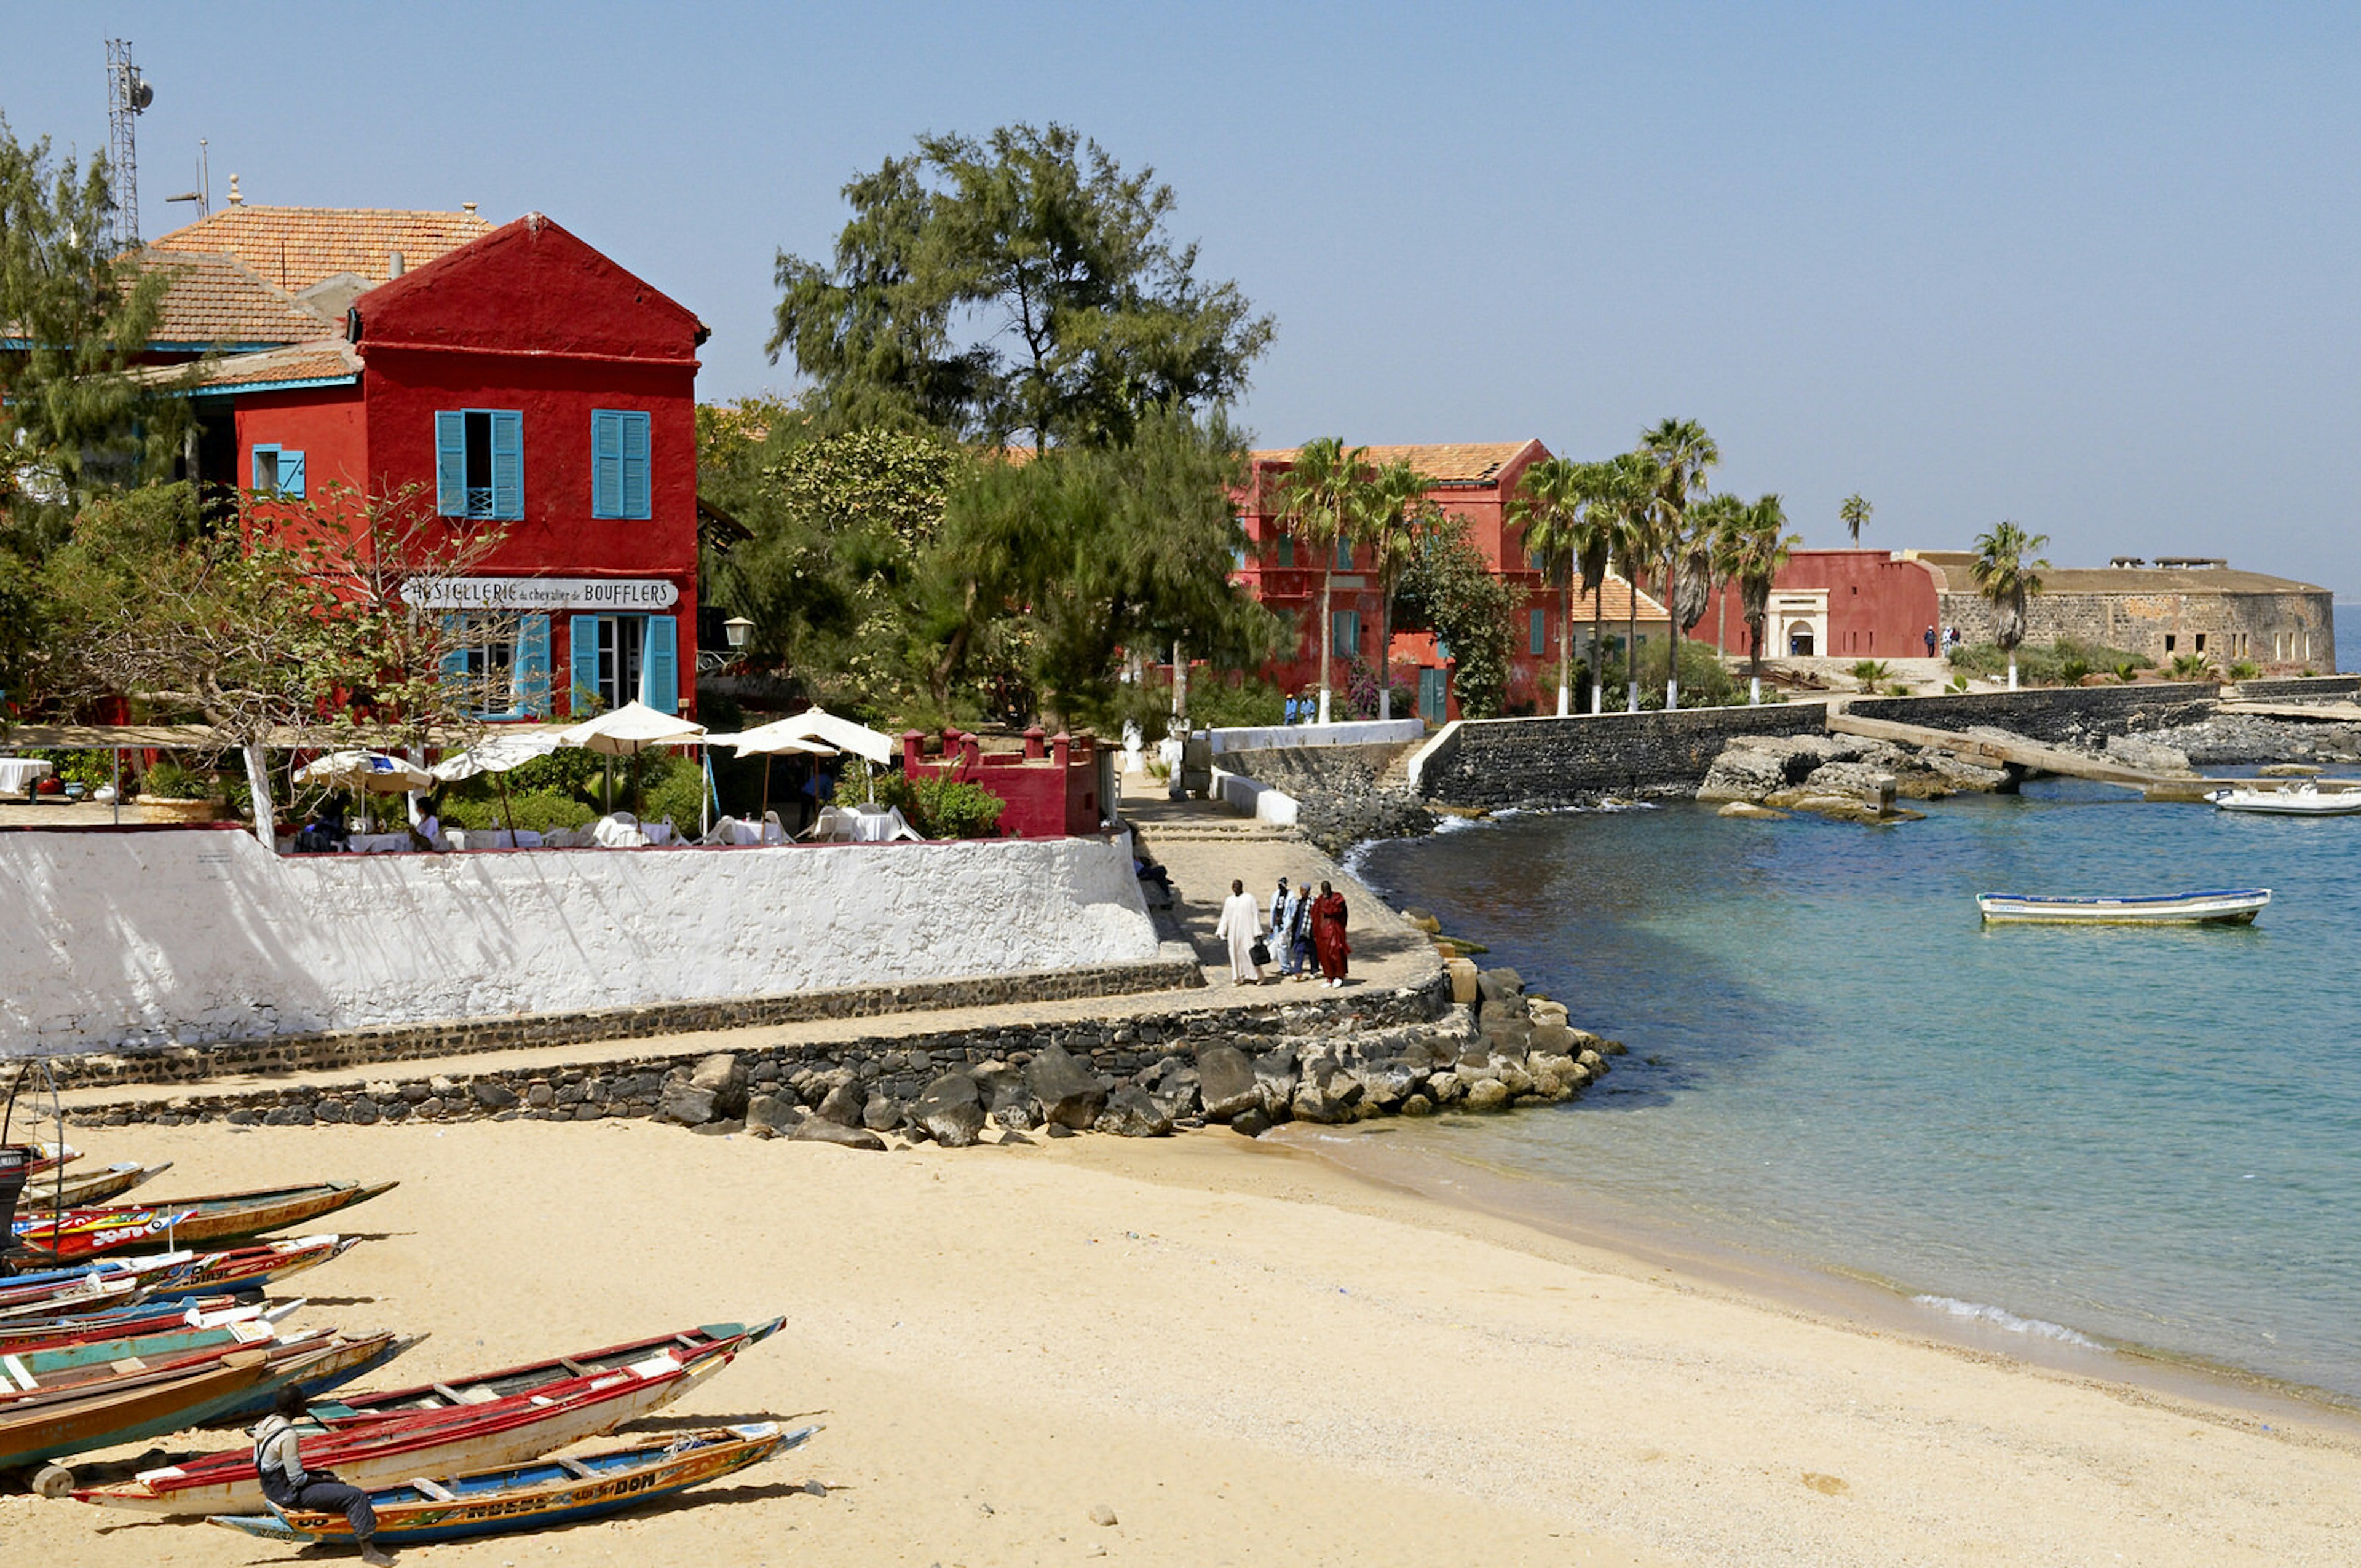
1241,927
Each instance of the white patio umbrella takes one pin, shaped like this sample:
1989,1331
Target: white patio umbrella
767,741
628,731
496,755
372,770
819,724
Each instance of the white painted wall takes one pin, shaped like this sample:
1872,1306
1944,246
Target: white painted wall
1360,732
1255,798
110,939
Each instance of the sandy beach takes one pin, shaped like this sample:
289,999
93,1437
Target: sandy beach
1246,1356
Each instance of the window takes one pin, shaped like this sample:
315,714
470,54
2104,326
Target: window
501,663
1538,562
278,471
1540,633
1346,633
619,463
1344,555
619,659
2168,641
1287,550
2201,642
479,463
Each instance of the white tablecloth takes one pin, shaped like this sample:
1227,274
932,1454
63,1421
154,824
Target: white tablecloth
493,838
18,774
378,843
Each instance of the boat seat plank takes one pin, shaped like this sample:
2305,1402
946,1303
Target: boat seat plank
576,1468
432,1490
574,1366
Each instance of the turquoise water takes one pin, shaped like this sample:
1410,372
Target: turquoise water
2147,1137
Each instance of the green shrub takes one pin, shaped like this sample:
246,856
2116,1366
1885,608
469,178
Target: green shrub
1870,672
2193,668
169,780
1959,683
2072,670
1218,702
2068,659
941,808
2244,670
678,796
534,810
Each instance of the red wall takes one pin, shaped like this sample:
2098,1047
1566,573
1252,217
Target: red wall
325,423
1879,607
1039,798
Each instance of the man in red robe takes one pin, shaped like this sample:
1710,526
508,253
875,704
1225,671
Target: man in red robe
1328,935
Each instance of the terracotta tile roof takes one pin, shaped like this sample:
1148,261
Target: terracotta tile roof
1616,606
295,248
214,300
320,359
1447,463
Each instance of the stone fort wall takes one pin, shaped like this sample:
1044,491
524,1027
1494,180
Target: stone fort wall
2278,632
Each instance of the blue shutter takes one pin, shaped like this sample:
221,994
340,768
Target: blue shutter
508,464
606,462
1540,633
582,631
451,462
290,473
453,663
1343,553
634,431
254,479
660,665
532,665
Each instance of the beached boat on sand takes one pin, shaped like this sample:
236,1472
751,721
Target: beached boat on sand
84,1188
163,1277
381,1450
87,1233
2305,799
124,1414
535,1496
2227,907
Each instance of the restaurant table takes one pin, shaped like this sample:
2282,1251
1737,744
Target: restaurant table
378,843
19,775
879,827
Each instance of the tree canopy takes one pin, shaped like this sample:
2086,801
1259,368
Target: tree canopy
1020,286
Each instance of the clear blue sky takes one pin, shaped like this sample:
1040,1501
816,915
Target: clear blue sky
2090,268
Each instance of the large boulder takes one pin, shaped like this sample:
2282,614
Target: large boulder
1227,1082
1178,1091
1487,1094
883,1115
820,1130
1502,984
767,1115
843,1103
952,1110
1070,1095
725,1075
1006,1100
1132,1113
686,1103
1275,1074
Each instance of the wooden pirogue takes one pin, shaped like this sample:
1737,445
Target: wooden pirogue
313,1360
535,1496
88,1186
124,1414
378,1449
87,1233
162,1276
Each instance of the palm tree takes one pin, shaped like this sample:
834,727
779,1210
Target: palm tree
1853,513
1682,452
1547,510
1394,517
2004,576
1763,549
1629,489
1720,522
1316,504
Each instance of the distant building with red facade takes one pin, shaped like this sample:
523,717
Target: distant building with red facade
511,378
1475,481
1835,603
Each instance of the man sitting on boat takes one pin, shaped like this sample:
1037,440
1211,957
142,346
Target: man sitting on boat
287,1485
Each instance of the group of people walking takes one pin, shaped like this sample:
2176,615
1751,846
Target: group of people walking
1302,929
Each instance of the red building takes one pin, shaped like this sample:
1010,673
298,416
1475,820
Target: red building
517,378
1835,603
1475,481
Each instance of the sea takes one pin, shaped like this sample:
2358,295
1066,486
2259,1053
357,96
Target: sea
2141,1144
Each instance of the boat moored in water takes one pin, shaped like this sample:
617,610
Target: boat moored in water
2226,906
2303,799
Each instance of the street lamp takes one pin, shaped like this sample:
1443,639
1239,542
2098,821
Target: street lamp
735,630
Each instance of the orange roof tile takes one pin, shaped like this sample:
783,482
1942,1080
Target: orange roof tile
1616,606
214,300
319,359
1447,463
295,248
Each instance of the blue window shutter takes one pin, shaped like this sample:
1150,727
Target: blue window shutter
451,462
635,433
508,464
1343,553
582,632
1287,550
660,665
532,665
606,462
290,473
453,663
255,478
1540,633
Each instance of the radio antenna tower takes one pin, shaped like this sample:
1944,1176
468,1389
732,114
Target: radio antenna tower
128,95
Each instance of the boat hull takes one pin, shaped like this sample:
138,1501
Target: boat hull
2289,802
2234,906
124,1414
89,1233
498,1502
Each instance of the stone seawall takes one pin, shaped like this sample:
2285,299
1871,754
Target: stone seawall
2053,714
2297,688
1497,763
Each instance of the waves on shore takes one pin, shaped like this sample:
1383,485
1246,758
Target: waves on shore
2001,1318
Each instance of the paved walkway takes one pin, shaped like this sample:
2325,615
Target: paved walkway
1202,845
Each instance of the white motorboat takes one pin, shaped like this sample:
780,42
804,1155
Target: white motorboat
2226,906
2304,799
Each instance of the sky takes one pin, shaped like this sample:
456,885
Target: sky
2087,267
